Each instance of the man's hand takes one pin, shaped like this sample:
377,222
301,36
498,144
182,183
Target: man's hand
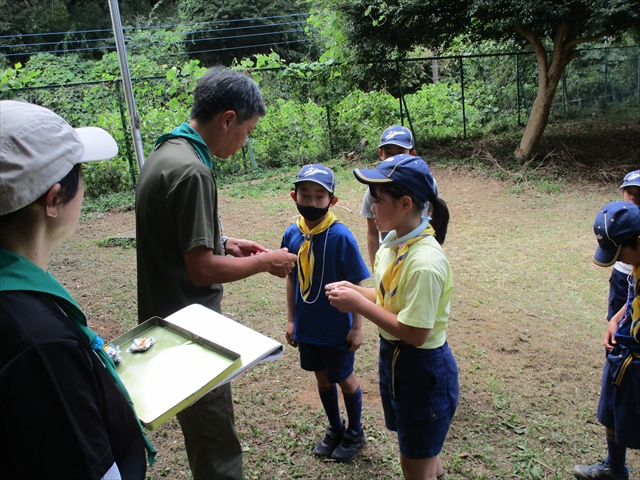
280,262
239,247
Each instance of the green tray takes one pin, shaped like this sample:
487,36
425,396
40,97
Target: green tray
174,372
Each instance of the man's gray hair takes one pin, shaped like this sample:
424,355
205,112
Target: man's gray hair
221,89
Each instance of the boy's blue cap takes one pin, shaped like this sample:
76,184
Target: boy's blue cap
411,173
319,174
631,179
615,223
397,135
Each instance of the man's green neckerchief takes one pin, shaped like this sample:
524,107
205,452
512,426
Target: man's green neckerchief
18,273
187,132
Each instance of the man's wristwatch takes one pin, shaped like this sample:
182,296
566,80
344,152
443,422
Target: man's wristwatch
223,240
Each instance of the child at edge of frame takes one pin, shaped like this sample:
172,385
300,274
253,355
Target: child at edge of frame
327,339
410,305
617,229
621,274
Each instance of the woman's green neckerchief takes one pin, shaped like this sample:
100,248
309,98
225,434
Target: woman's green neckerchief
18,273
187,132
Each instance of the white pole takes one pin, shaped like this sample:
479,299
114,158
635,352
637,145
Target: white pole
126,81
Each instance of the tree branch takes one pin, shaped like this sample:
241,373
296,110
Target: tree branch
538,48
592,38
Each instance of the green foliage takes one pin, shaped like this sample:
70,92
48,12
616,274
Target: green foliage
292,133
15,78
209,41
123,201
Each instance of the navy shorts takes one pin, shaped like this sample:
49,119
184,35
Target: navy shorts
337,361
619,406
419,390
618,292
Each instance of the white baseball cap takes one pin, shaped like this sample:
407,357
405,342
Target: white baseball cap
38,148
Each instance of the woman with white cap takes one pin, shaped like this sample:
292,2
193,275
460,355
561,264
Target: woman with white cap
64,412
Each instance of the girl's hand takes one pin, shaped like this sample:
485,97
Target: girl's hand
344,297
330,286
609,335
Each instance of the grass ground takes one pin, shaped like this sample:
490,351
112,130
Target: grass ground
528,316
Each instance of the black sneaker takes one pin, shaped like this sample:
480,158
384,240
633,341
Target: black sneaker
326,446
351,444
599,471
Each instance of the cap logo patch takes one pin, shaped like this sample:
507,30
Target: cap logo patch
313,170
394,133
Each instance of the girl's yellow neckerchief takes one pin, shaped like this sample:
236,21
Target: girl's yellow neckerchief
389,281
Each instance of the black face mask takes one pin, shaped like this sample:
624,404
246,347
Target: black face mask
312,213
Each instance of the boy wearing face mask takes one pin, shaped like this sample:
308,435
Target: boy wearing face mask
327,338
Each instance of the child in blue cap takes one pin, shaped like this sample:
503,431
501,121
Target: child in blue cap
394,140
410,305
326,338
620,276
617,228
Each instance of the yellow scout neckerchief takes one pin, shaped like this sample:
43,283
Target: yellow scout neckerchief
306,260
389,281
634,330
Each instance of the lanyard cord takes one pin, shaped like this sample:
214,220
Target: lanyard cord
324,255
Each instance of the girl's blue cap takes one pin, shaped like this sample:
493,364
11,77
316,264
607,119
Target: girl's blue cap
615,224
411,173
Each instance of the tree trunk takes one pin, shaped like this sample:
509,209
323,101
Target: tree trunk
538,120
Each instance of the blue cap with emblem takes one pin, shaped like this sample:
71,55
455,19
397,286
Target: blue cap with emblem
411,173
397,135
615,224
631,179
319,174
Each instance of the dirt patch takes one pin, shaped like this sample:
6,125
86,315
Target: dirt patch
526,326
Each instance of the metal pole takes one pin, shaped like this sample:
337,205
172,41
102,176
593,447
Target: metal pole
518,87
134,118
400,92
464,119
126,134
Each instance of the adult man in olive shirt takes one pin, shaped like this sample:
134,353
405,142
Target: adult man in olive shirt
181,254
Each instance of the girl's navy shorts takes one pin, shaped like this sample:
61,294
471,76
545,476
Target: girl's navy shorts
337,361
419,390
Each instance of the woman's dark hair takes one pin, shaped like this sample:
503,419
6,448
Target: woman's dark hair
221,89
69,186
439,217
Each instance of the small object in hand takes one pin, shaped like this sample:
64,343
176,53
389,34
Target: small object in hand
329,287
141,344
113,352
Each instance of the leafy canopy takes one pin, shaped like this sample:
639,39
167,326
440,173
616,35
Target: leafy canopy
398,26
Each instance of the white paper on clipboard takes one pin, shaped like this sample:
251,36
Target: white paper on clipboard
252,346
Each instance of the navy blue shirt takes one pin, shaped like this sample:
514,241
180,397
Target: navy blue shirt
337,257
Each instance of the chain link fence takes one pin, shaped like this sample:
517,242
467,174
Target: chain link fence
316,115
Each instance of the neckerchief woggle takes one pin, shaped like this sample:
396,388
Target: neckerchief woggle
306,260
389,281
18,273
187,132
